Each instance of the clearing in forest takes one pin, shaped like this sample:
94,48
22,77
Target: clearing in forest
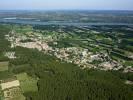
27,83
4,66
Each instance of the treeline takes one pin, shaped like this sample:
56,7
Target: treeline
46,27
4,44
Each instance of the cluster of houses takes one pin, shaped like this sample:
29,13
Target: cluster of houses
77,55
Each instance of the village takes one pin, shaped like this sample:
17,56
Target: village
80,56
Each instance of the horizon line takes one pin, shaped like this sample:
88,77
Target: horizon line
66,9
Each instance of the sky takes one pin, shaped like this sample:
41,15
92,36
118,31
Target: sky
66,4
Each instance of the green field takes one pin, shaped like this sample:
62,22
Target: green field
27,83
4,66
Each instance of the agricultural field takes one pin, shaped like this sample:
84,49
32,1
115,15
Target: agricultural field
13,94
10,89
27,83
4,66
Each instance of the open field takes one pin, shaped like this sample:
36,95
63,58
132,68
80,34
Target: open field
11,84
13,94
27,83
4,66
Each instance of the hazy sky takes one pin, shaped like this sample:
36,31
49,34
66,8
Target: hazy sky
67,4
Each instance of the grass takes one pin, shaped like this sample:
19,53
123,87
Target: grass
4,66
27,83
128,63
23,29
18,95
21,97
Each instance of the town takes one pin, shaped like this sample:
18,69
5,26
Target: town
87,48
